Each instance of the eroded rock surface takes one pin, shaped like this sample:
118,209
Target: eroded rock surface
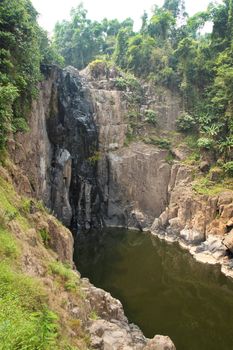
191,216
81,169
137,178
113,331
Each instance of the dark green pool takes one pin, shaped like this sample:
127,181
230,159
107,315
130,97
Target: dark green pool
162,288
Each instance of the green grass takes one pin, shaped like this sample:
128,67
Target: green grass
10,204
8,246
191,141
169,158
67,276
45,236
160,142
25,321
94,316
193,159
205,186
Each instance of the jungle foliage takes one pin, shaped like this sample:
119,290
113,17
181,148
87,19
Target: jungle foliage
170,49
24,46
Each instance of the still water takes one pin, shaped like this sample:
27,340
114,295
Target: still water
162,288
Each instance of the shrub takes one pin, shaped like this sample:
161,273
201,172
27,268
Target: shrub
150,116
95,157
20,124
128,82
67,276
8,95
228,168
161,143
226,147
186,123
45,236
121,83
205,143
11,214
99,67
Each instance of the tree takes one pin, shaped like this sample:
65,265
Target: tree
177,8
121,48
161,24
140,53
20,58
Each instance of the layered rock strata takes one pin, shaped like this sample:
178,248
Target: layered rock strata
201,223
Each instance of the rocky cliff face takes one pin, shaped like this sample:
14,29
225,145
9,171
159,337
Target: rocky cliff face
200,223
75,159
86,316
193,216
137,179
56,155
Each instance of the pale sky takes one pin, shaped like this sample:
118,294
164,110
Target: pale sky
52,11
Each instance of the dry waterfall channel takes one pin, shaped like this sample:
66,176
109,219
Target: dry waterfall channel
89,178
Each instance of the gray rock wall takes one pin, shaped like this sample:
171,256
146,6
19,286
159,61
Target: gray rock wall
75,159
138,178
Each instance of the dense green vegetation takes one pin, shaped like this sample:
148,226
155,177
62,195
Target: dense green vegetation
170,50
26,322
24,46
30,318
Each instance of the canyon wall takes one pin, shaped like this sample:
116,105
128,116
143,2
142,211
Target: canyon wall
76,159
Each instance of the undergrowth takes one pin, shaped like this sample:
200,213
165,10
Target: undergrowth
8,246
66,276
26,323
204,185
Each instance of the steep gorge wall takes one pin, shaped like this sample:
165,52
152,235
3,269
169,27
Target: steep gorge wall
60,160
74,158
192,216
133,180
55,154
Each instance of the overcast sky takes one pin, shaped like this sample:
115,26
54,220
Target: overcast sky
52,11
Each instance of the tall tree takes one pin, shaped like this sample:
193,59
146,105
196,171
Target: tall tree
20,58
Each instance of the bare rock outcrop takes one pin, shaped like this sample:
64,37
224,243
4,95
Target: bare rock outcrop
160,342
112,330
109,109
137,178
228,241
193,217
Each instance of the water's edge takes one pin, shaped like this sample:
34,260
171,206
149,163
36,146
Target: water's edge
211,251
202,252
162,288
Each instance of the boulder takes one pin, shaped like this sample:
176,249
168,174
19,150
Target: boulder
160,342
204,166
228,241
107,335
192,236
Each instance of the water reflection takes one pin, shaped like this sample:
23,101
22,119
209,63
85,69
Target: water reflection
163,289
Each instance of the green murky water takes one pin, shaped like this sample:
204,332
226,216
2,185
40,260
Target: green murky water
162,288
